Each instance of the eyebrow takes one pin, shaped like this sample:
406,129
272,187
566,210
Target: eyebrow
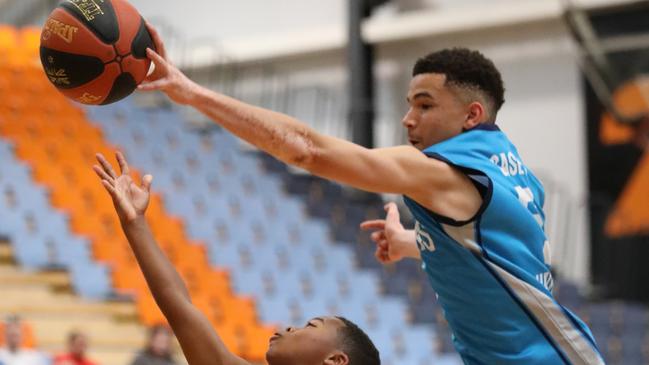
318,319
421,94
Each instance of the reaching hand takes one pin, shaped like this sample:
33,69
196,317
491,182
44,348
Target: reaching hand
166,77
393,242
129,199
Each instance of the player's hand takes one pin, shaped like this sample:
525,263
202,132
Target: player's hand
166,77
391,238
129,199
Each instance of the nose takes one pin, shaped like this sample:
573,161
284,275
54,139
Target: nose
408,120
289,329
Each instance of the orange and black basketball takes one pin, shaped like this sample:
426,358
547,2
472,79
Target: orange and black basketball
94,51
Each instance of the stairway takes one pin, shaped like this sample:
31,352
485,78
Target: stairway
46,302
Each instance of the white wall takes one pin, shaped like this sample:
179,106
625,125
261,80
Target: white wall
226,19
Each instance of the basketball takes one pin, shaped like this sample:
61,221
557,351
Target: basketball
94,51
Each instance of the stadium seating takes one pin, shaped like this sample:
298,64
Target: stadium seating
58,216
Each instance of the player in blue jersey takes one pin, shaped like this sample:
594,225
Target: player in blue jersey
479,209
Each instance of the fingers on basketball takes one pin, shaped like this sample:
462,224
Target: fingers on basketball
157,40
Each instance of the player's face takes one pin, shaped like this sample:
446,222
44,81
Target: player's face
435,112
308,345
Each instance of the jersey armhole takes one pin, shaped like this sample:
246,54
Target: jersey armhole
480,180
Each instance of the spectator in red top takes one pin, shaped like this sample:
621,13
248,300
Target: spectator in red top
76,355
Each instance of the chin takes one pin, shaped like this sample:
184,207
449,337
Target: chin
271,356
418,145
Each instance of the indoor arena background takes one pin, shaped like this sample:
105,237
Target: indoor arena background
254,238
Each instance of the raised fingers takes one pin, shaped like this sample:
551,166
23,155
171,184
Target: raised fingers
103,175
392,215
111,190
123,165
108,169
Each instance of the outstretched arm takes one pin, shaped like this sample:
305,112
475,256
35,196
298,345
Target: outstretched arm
401,170
200,343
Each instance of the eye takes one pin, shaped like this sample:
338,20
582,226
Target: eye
310,324
426,106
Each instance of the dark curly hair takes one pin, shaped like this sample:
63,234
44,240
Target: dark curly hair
469,71
357,344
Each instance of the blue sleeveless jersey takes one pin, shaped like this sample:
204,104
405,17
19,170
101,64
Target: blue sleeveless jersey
492,273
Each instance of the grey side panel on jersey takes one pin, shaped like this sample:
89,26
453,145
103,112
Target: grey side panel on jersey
546,311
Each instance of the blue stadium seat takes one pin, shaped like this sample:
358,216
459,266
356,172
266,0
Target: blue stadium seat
14,172
274,310
6,150
31,252
72,250
91,280
250,282
33,196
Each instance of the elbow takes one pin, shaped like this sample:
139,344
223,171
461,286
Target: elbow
304,160
306,153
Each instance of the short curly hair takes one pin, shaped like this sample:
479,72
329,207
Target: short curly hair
357,344
468,70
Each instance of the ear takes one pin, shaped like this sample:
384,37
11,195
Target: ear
337,358
476,115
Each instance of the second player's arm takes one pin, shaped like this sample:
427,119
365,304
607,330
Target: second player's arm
200,343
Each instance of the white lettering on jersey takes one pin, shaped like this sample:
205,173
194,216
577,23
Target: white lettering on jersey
525,196
424,241
508,163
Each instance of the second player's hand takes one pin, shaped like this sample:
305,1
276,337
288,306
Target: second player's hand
166,77
393,241
129,199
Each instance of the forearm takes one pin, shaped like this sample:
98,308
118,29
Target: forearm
163,280
275,133
200,343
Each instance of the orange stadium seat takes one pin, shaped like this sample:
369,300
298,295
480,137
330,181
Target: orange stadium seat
114,252
29,340
8,38
55,139
148,310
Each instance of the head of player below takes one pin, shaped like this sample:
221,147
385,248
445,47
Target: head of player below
451,91
322,341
